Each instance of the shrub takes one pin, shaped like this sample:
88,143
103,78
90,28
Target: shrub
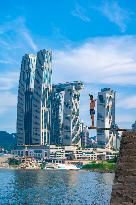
102,166
13,161
114,160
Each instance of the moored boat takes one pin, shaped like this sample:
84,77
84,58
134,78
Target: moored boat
62,166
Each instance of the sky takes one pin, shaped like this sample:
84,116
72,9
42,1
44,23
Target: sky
92,40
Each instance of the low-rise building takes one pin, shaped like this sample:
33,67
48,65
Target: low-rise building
62,153
74,153
57,152
32,151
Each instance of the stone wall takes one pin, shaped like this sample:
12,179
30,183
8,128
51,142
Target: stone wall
124,187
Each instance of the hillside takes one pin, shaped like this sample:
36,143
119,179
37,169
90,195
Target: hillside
7,141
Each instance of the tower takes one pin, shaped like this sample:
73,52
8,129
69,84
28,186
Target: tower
66,125
25,100
105,115
34,99
42,98
57,108
71,120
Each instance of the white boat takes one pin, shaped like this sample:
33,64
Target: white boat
67,166
62,166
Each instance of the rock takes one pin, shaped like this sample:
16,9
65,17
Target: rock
124,187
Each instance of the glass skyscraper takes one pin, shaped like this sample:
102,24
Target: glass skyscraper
34,99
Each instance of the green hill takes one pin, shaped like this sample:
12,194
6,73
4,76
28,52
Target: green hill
7,141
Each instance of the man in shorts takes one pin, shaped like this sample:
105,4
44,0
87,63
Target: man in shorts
92,109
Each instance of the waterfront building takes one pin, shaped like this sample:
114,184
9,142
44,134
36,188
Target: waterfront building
57,108
85,140
71,119
115,138
34,99
63,153
25,100
66,124
42,98
105,115
35,151
57,152
94,154
73,153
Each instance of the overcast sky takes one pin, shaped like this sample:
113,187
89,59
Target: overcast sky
92,40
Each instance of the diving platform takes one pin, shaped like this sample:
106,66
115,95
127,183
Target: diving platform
106,128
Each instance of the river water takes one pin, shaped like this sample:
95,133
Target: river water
58,187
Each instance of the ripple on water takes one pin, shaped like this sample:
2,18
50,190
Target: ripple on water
57,187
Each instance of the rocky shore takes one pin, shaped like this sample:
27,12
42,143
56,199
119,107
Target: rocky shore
124,187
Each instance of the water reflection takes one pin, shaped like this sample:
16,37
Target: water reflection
50,187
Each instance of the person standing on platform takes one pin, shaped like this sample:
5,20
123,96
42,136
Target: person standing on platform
92,109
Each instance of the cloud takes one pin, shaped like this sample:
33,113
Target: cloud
8,61
80,13
8,80
108,61
125,118
7,101
8,111
17,33
127,103
99,60
9,126
28,38
15,40
116,14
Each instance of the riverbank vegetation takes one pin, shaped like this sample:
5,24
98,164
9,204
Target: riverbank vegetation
104,166
14,162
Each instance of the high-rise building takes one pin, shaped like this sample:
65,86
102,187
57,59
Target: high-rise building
42,98
115,138
66,126
105,115
71,119
34,99
25,100
85,140
57,108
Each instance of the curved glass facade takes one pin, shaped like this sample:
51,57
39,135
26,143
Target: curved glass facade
34,99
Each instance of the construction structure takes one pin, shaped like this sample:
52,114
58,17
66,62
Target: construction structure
105,116
34,99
